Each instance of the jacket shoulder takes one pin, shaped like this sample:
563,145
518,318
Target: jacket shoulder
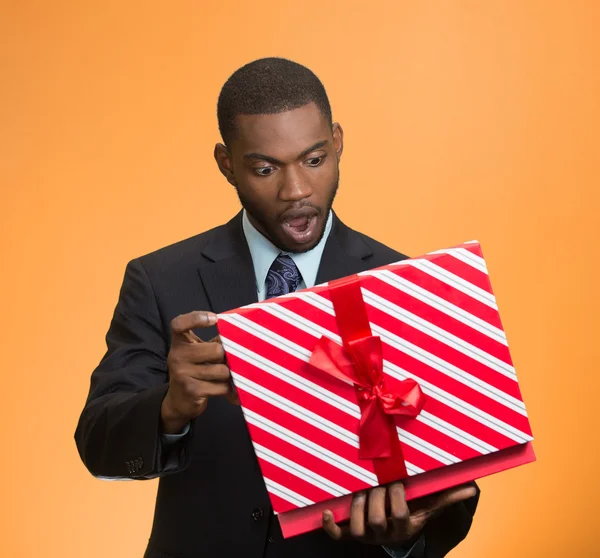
381,253
180,254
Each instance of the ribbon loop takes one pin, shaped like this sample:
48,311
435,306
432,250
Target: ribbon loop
362,365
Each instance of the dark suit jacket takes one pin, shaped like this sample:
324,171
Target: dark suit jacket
211,499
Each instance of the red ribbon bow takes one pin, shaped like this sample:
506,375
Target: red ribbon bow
360,361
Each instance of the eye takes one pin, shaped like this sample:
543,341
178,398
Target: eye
264,171
315,161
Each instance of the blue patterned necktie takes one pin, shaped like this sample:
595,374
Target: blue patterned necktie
283,277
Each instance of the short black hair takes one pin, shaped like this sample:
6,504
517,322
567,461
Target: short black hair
268,86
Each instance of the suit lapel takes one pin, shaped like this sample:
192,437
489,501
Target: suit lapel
226,270
345,253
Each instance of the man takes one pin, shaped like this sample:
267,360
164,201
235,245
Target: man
161,402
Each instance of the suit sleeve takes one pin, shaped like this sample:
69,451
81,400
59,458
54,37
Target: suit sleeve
118,434
447,530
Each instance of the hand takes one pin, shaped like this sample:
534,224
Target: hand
197,371
371,524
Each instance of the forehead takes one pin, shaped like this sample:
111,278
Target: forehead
283,135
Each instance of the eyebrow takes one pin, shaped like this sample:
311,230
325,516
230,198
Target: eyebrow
261,157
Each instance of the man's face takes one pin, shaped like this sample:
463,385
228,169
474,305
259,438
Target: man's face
285,170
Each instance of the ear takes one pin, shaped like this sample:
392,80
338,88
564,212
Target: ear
225,163
338,139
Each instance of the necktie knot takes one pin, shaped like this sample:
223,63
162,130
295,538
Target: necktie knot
283,277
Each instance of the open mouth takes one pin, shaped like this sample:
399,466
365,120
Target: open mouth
301,229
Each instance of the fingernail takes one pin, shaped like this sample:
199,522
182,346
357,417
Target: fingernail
327,516
211,319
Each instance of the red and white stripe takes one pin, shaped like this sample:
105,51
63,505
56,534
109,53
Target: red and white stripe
439,324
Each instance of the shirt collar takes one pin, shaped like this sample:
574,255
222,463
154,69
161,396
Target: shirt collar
264,252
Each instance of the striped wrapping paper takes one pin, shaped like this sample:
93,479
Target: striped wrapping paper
439,324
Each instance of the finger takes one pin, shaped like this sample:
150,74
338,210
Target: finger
441,500
209,373
331,527
210,352
191,337
200,353
202,388
399,511
233,396
185,322
357,515
377,519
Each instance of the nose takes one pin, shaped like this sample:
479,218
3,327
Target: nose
294,187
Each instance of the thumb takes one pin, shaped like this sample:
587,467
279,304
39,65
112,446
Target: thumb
182,325
437,502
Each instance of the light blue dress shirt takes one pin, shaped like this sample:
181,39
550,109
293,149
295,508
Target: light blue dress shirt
264,253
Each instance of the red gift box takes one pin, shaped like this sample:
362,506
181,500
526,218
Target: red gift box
400,372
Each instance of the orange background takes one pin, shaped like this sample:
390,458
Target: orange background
464,120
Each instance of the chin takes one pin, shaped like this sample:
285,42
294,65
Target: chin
299,248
